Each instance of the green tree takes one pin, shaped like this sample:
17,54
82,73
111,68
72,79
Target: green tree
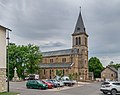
25,58
12,59
116,66
34,58
95,66
59,72
21,60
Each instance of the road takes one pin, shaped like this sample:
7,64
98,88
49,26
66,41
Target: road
83,89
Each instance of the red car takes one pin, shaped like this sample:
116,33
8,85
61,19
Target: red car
50,86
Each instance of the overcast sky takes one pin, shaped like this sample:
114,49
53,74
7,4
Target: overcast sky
50,23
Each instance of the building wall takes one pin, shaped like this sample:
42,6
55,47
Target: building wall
82,58
2,59
57,59
80,66
108,74
2,48
47,75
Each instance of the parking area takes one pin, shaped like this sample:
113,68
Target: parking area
22,86
82,88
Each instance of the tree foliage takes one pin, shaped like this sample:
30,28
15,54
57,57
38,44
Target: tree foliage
116,66
59,72
95,66
25,58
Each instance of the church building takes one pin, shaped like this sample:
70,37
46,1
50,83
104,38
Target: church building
73,61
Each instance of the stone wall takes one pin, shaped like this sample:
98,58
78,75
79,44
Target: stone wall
3,86
108,74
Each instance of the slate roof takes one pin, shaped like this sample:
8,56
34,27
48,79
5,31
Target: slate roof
79,28
60,52
112,68
56,65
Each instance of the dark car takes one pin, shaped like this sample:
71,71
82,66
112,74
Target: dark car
36,84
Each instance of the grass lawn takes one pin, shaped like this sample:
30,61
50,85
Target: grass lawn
9,93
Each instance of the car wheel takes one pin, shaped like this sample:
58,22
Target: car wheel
105,92
40,88
28,87
113,92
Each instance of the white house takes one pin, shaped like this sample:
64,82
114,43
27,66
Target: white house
3,87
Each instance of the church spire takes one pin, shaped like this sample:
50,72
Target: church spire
79,28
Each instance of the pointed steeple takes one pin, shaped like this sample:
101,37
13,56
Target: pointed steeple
79,28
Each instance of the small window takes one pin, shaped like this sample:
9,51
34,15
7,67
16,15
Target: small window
44,71
85,61
51,60
63,59
76,41
79,40
78,28
86,41
45,60
111,75
50,72
84,29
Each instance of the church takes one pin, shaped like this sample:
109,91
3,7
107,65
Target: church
73,61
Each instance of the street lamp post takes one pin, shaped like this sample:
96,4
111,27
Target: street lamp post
8,59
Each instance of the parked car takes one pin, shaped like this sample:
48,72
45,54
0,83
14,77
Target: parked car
37,84
54,83
50,85
112,87
67,81
60,83
32,77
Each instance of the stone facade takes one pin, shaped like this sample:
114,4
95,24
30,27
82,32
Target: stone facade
77,56
3,80
109,73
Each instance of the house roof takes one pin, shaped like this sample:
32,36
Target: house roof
5,28
56,65
60,52
112,68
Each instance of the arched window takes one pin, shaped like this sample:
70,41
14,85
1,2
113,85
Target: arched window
79,40
44,71
50,72
76,41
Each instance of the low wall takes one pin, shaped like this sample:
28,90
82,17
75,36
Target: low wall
3,86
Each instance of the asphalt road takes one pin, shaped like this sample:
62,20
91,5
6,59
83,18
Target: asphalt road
82,89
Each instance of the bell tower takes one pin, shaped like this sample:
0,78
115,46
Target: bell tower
80,42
